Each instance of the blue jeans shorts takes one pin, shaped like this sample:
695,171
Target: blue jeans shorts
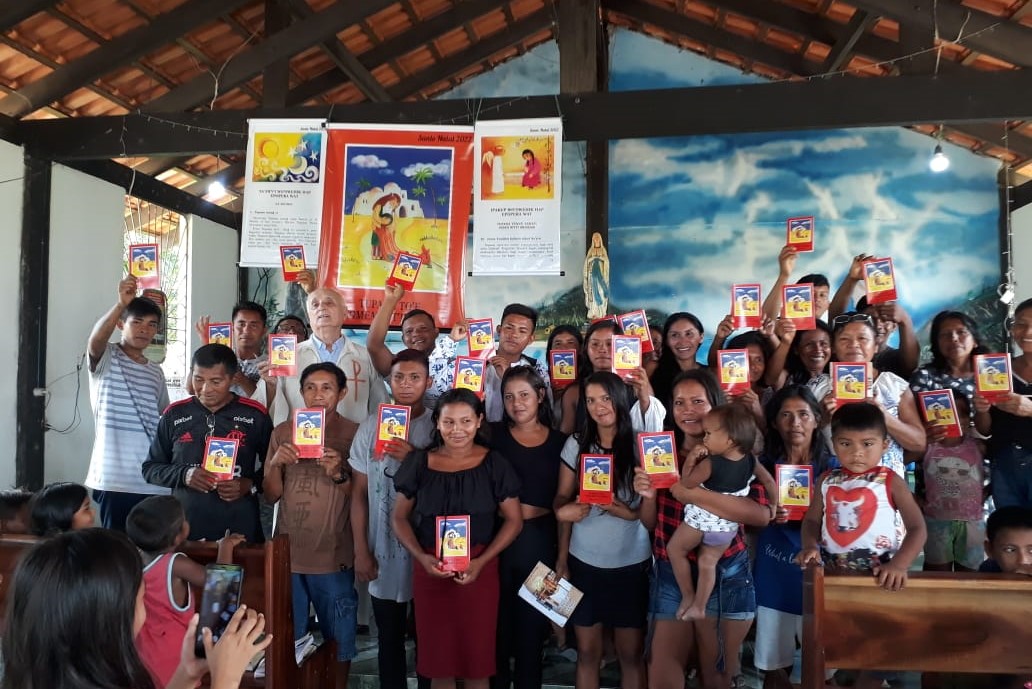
733,598
336,605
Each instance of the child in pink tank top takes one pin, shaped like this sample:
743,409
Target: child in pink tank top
157,526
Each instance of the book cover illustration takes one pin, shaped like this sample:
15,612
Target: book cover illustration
659,458
745,305
480,336
143,265
453,543
636,324
800,233
220,457
795,484
392,423
562,367
282,355
880,279
551,595
308,432
940,409
596,480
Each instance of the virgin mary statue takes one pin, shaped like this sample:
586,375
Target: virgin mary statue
596,278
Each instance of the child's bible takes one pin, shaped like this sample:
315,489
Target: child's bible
733,366
626,355
993,376
453,543
849,383
220,333
745,306
220,457
480,336
562,367
880,280
795,482
635,324
282,355
143,265
797,306
596,479
405,270
659,458
469,374
308,432
800,233
392,424
292,258
940,409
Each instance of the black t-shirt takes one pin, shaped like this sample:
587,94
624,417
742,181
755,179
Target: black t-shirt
537,467
729,475
891,359
476,491
1008,429
179,444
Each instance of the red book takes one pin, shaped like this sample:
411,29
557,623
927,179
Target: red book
220,333
797,305
745,305
469,374
733,370
795,486
144,265
220,457
940,409
800,233
452,545
849,383
880,279
480,336
308,432
993,376
282,355
292,258
392,423
405,271
626,355
659,458
596,479
562,367
636,324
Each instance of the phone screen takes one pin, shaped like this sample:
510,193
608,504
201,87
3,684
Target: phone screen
221,599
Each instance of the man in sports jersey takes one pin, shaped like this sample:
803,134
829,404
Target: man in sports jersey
176,460
127,394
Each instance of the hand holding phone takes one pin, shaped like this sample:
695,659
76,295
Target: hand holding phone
222,585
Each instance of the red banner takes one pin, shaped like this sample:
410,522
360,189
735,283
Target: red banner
394,189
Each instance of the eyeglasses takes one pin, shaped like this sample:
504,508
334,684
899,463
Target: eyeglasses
842,320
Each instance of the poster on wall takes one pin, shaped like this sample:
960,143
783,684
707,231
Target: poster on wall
393,190
517,184
284,177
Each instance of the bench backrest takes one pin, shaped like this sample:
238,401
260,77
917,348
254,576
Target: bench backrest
941,622
267,590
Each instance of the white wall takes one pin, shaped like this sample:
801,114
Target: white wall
1021,227
213,256
86,226
11,171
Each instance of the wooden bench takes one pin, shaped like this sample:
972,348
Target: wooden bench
941,622
267,589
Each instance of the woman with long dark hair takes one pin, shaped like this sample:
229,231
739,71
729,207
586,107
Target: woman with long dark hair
564,337
457,613
800,356
75,607
732,606
794,437
606,551
525,437
682,336
954,341
596,355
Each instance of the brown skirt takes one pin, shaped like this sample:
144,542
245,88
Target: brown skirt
456,623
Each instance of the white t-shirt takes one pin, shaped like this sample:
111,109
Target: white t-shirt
127,398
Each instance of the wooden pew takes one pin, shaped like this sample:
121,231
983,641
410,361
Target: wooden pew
267,590
12,547
941,622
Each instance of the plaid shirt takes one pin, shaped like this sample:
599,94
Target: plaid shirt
670,515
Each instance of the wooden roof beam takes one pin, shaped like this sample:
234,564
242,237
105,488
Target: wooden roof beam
842,51
291,41
986,33
111,55
344,59
14,12
423,33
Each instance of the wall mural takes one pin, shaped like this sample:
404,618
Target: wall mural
691,215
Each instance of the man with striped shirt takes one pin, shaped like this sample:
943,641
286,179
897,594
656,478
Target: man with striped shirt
128,394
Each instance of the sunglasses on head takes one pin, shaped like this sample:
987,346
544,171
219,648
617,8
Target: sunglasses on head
842,320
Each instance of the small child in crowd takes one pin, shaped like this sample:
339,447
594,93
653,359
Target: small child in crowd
1008,543
60,507
729,436
954,477
14,511
157,526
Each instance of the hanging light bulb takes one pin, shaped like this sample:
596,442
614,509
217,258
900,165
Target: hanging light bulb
938,162
217,189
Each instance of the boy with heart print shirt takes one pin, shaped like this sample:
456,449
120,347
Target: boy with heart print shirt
855,519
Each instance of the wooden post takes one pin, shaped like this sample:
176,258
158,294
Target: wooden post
32,323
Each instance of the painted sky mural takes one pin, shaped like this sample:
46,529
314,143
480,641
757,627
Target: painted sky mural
691,215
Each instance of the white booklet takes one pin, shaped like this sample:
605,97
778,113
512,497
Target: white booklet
552,596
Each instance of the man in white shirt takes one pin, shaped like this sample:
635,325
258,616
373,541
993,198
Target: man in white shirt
366,389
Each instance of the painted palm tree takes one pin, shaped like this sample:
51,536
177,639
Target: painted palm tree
361,185
425,176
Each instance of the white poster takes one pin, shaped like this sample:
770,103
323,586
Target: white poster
283,190
517,177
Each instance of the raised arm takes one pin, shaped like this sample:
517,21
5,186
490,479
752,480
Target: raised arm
724,330
103,328
786,264
375,339
840,303
774,375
